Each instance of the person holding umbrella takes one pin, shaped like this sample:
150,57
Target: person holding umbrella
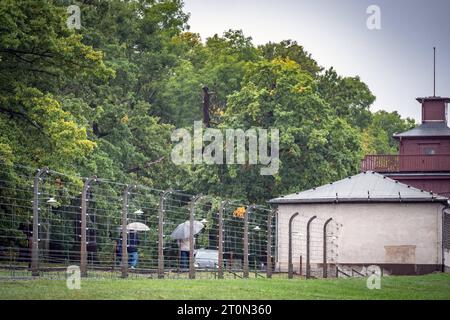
132,249
184,245
132,243
182,235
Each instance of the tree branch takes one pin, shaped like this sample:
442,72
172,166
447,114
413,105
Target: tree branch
97,132
145,166
21,115
15,52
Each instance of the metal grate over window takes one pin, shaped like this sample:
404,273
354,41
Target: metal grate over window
446,231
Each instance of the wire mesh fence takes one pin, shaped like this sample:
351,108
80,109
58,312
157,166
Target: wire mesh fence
50,221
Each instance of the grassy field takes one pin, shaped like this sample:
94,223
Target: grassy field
434,286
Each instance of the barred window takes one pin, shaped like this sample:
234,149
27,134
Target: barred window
446,231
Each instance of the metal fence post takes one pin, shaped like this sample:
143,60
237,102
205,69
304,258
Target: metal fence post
191,235
325,267
308,239
247,213
124,263
161,234
83,246
290,265
35,241
220,260
269,243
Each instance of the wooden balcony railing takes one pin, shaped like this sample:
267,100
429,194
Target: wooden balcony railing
406,163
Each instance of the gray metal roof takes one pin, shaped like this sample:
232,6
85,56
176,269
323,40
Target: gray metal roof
427,129
363,187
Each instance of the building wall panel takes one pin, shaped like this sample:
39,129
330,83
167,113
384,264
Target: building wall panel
397,234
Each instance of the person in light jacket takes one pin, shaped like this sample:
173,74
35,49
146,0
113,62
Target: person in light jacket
185,247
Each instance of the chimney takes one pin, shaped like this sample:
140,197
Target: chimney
434,109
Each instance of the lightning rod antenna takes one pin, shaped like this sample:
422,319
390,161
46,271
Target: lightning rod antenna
434,71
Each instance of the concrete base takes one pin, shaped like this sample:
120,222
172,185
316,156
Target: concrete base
398,269
387,268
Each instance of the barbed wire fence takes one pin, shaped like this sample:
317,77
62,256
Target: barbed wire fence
51,220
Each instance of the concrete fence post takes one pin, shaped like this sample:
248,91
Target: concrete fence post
290,264
35,240
161,233
325,266
246,244
125,199
308,249
84,205
220,246
191,235
270,216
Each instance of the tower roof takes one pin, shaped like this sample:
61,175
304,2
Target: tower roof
434,119
433,98
427,129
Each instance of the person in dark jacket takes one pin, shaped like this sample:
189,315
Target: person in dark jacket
119,250
132,249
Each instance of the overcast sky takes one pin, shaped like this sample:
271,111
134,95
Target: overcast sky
396,62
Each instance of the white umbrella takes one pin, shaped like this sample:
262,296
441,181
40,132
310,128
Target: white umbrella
182,231
137,226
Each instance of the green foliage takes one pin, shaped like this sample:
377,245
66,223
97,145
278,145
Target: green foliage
289,49
378,136
219,64
105,99
349,97
316,146
36,52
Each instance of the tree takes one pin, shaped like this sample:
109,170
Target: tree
289,49
316,146
378,136
124,116
37,51
106,98
349,97
218,64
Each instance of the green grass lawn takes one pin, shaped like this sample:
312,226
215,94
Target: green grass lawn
434,286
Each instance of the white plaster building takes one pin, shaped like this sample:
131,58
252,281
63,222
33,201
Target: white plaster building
402,229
